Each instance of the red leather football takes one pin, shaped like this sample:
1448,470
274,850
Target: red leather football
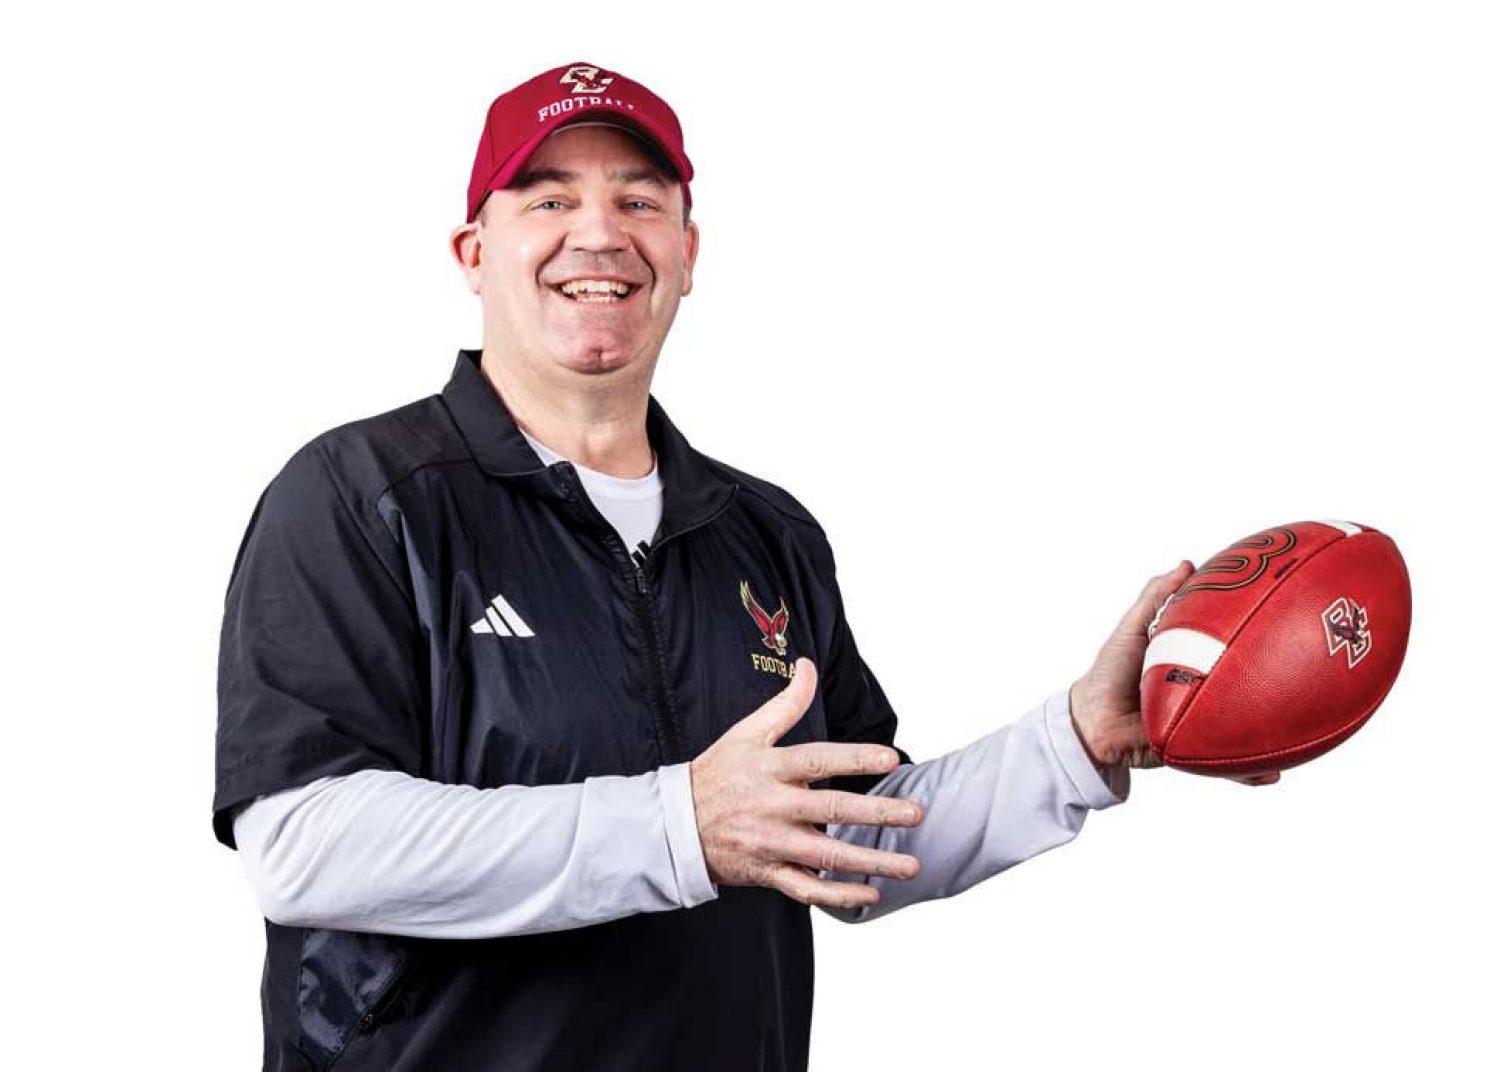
1277,649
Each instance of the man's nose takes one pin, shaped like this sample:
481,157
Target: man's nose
597,228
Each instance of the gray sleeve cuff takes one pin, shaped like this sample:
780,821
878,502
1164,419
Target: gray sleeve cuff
693,884
1099,792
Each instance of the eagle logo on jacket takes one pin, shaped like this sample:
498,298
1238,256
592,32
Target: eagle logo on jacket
771,626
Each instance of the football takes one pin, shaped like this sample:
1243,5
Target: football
1277,649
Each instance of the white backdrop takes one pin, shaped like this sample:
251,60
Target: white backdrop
1025,304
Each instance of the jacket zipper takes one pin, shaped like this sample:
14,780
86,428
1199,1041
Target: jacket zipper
668,739
382,1004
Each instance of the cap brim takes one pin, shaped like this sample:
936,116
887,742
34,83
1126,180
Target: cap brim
600,114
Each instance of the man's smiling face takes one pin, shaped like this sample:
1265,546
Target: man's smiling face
580,263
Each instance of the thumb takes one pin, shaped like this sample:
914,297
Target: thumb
769,722
1139,616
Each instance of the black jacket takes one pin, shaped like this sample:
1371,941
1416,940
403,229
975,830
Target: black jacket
348,644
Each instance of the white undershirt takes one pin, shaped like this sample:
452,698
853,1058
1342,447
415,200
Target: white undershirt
384,851
632,505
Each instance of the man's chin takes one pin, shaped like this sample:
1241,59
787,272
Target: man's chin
600,356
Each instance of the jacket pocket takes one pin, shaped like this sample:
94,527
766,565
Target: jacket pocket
347,981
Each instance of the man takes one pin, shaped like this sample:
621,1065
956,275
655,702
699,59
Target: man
530,713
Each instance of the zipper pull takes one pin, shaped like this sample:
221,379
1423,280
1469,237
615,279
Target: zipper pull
640,581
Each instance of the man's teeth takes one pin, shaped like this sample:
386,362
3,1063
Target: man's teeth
595,290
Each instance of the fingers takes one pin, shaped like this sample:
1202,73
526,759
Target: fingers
1157,589
803,763
806,888
1143,757
823,853
769,722
830,806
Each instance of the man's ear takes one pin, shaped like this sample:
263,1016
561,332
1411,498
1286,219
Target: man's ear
464,244
689,255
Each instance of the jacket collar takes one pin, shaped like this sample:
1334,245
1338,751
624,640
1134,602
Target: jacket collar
692,491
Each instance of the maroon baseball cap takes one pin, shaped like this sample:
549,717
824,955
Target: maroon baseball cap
519,120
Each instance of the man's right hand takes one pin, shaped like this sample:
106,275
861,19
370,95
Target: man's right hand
756,813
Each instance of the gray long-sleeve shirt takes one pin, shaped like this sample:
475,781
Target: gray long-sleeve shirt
387,852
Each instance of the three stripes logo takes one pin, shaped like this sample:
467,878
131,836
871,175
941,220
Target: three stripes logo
501,619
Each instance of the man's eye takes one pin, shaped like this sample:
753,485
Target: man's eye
638,203
549,201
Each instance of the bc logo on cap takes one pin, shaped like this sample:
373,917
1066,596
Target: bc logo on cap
585,80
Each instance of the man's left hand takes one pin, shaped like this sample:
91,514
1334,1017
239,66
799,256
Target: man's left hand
1106,701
